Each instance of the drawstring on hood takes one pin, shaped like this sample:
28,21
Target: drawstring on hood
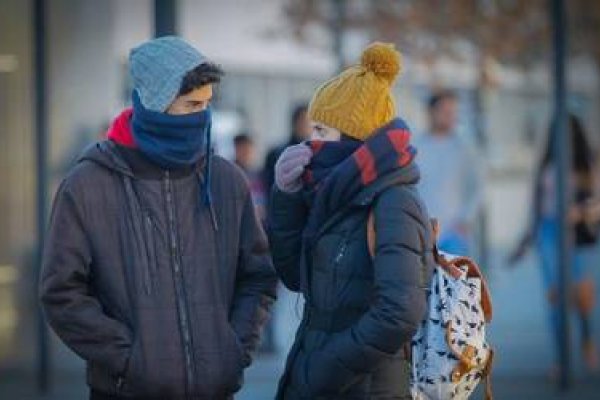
120,133
205,190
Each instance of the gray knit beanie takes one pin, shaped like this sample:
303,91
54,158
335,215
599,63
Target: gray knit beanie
157,68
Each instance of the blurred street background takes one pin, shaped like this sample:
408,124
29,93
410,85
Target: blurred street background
63,78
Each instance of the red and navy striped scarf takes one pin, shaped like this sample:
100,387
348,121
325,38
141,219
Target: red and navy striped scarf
339,171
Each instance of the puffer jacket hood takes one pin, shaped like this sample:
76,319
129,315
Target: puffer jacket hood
105,153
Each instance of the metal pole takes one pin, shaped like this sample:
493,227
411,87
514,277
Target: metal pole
481,228
41,146
562,155
165,18
337,27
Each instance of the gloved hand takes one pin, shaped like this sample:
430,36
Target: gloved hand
290,166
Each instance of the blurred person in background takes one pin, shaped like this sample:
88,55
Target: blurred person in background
156,270
451,177
361,308
300,131
245,153
543,232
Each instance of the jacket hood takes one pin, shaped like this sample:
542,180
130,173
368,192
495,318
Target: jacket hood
105,153
120,130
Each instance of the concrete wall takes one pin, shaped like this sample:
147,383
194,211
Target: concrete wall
87,45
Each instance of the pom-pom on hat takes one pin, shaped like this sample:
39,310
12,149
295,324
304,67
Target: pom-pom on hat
359,100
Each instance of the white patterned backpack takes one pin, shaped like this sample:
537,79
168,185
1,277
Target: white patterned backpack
449,352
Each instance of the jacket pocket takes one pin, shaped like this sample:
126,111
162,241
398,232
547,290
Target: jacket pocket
325,376
240,358
328,252
227,366
337,273
150,265
127,377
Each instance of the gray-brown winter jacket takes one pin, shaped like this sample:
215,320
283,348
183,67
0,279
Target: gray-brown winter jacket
138,281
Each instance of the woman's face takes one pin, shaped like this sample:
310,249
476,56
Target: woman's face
325,133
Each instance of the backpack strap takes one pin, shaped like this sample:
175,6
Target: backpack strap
487,373
452,266
371,236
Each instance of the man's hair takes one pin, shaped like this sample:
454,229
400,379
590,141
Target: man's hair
203,74
241,139
297,112
439,97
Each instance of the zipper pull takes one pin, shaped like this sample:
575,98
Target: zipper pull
120,382
340,254
213,217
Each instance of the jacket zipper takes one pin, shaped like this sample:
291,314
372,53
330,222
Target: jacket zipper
179,288
336,265
149,254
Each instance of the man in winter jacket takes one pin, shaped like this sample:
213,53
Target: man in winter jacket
156,270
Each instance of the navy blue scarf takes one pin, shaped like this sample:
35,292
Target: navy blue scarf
170,141
326,156
341,170
175,141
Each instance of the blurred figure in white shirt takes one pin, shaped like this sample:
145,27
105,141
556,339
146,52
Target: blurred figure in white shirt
451,176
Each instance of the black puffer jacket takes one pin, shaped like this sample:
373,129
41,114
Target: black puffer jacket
137,281
360,311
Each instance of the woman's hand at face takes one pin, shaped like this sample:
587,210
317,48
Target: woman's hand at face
290,167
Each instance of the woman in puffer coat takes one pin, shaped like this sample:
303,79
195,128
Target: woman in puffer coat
361,307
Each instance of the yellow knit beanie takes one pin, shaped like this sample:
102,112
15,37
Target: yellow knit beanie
359,100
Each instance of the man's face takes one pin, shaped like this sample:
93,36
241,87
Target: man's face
303,127
244,154
444,115
194,101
